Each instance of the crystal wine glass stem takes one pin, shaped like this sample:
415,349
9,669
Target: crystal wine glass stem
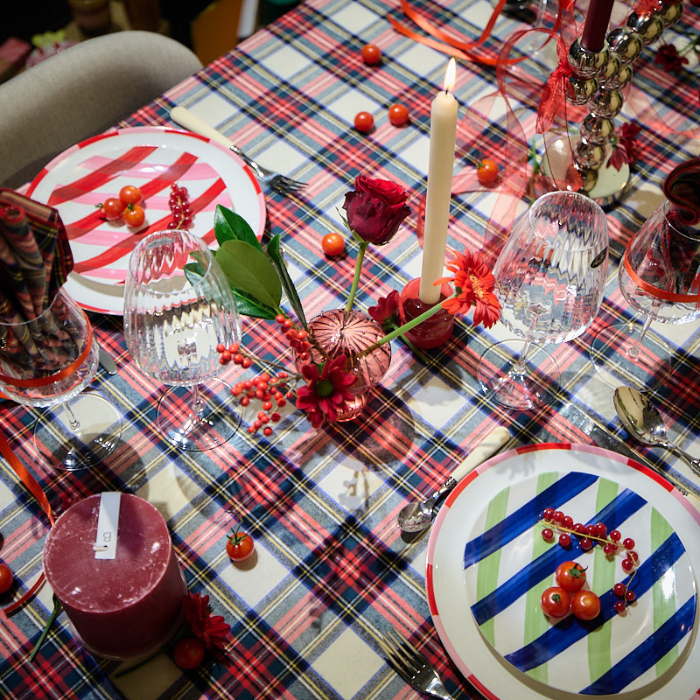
197,402
520,366
635,346
73,422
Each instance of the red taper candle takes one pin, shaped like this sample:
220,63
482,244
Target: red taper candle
595,28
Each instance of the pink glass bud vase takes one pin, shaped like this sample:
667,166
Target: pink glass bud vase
340,332
434,332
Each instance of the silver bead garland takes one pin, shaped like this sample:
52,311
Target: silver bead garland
598,79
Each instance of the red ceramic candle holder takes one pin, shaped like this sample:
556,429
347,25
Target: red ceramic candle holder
434,332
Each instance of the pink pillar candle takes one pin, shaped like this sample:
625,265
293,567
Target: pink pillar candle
123,607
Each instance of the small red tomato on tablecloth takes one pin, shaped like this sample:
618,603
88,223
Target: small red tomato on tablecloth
398,114
364,122
6,578
332,244
371,54
188,653
239,546
487,171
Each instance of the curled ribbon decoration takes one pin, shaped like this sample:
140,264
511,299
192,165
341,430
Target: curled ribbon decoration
452,46
33,487
554,94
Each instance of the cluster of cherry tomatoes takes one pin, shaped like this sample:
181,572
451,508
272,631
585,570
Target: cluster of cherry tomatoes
127,207
588,536
398,113
487,170
569,594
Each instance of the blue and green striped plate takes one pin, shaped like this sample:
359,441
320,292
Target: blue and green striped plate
488,540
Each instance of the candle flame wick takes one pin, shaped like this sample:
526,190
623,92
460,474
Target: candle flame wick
450,75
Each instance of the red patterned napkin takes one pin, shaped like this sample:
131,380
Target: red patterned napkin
35,260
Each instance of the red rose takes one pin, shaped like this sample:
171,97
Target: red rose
376,209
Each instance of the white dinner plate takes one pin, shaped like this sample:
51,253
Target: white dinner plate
151,158
491,623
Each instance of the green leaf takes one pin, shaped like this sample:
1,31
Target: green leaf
193,272
248,306
249,270
229,226
273,250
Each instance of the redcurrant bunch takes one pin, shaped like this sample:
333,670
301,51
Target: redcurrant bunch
590,535
179,204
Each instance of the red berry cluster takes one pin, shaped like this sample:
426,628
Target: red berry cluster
589,536
272,391
297,339
179,204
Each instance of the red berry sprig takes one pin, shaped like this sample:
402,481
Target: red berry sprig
588,536
179,204
272,391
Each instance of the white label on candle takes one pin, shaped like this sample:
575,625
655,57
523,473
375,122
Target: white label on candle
107,525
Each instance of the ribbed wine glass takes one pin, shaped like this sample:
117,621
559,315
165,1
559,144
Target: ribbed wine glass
178,307
47,363
550,278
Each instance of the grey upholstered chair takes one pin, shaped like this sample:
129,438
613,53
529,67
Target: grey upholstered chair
82,92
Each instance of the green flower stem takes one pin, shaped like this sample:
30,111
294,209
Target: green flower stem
356,279
406,327
54,614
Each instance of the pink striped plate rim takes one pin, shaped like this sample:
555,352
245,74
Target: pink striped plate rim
152,159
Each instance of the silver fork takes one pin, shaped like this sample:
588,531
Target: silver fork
412,666
275,181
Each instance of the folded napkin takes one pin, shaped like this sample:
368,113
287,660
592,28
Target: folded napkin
35,260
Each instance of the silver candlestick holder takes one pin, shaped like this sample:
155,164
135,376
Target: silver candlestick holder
598,79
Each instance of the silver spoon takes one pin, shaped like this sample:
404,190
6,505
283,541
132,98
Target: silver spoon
417,516
642,420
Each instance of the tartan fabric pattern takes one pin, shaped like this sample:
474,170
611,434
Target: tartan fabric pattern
332,569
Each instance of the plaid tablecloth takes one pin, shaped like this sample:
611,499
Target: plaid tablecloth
332,570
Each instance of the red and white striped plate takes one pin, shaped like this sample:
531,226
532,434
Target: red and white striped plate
151,158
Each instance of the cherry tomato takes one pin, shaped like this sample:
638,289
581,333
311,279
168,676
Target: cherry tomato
371,54
134,215
112,208
333,244
130,194
239,546
364,122
570,576
398,114
585,605
188,653
487,171
6,578
555,602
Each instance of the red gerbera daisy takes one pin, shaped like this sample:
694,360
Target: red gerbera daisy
625,149
385,312
211,630
474,283
326,392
